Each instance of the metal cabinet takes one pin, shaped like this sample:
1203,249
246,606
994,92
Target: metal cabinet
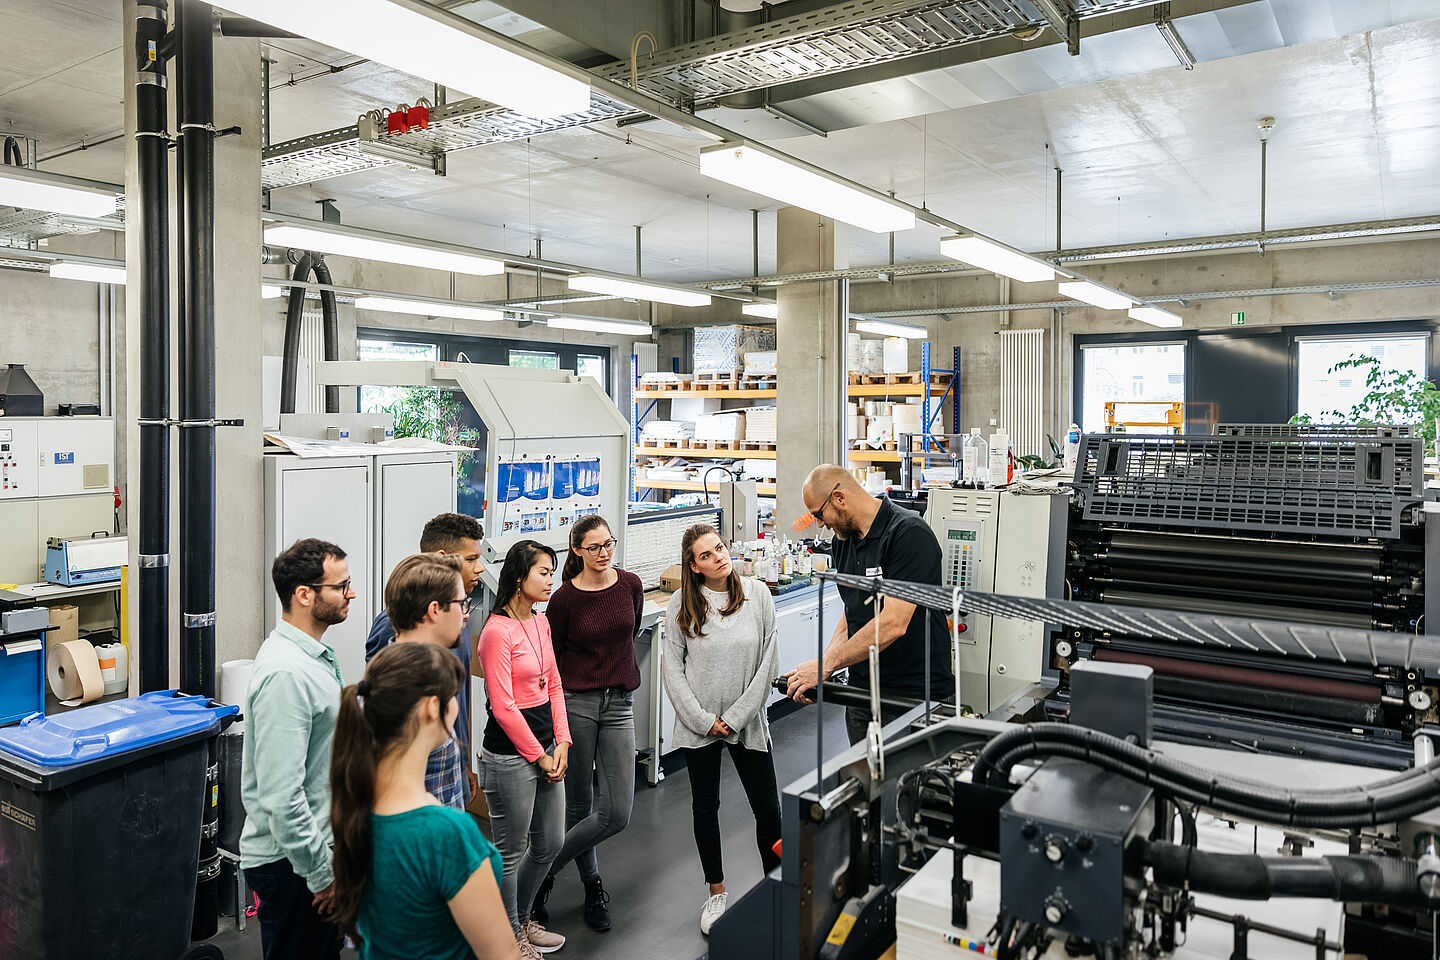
796,624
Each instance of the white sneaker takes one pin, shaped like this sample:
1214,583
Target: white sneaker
711,912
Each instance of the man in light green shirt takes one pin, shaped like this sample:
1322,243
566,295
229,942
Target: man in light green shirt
290,711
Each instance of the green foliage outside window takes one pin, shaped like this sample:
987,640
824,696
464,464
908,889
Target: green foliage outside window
1392,397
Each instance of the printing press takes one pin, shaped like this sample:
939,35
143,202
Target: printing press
1230,753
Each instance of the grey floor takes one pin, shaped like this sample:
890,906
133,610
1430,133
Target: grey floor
651,870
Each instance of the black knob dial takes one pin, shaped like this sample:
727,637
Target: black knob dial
1055,848
1028,830
1084,843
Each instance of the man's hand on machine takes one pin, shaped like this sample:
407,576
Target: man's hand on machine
802,681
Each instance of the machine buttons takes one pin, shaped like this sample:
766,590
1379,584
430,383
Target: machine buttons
1056,909
1084,843
1055,848
1028,830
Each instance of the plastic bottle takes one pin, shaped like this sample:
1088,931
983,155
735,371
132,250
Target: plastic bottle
977,466
1000,462
772,573
807,562
1072,446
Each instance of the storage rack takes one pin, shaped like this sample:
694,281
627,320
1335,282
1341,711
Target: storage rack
932,404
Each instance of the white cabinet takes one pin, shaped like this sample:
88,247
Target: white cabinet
796,625
409,490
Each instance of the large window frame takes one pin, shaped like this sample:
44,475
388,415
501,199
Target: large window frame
1293,333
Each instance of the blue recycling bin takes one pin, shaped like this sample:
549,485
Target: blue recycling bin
100,815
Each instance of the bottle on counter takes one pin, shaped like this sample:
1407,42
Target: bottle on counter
1002,462
975,467
1072,446
807,562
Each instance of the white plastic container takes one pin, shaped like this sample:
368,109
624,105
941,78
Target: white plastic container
975,467
1072,446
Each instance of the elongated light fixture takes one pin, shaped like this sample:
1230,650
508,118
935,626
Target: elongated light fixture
889,328
997,258
33,190
638,290
271,291
1096,294
424,41
766,311
1155,316
1175,42
598,326
352,243
426,308
746,166
94,272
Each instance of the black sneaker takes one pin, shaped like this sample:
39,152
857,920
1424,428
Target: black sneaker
539,912
597,916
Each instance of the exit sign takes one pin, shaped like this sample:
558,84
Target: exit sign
1237,319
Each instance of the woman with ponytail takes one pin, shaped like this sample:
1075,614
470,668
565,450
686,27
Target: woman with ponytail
594,618
413,878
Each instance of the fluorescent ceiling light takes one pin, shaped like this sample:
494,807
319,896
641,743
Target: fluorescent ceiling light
768,311
997,258
425,308
1095,293
33,190
94,272
419,39
1154,316
889,328
746,166
271,291
1176,42
598,326
351,243
637,290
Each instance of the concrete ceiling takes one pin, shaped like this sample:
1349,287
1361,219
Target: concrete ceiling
1149,150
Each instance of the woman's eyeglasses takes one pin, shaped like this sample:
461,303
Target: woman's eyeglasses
595,549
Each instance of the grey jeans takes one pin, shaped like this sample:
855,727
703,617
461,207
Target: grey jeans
528,816
602,724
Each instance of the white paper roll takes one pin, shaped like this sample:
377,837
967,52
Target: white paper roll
74,672
234,682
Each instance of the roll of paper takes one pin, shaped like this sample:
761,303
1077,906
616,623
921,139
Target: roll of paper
74,672
234,682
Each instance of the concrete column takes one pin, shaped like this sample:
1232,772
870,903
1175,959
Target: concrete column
242,572
810,330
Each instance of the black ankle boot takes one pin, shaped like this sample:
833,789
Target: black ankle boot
539,912
597,916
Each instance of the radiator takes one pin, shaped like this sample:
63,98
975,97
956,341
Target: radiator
1022,390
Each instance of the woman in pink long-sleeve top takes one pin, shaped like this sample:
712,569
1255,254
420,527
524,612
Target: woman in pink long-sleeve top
527,739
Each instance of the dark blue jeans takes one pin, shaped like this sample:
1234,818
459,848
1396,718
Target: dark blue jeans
290,929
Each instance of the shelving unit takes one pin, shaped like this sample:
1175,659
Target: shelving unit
934,394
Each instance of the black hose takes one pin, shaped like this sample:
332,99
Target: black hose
331,317
12,149
1387,801
293,315
1245,876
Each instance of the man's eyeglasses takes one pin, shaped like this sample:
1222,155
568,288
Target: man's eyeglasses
463,601
818,512
607,547
343,586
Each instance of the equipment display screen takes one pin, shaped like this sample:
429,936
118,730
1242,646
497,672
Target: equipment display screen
961,534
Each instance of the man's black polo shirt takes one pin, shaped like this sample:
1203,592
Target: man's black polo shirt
899,546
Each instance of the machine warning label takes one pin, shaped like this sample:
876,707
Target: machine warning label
25,818
65,457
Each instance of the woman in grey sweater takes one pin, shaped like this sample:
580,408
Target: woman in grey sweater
719,660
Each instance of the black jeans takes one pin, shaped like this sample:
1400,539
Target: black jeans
290,929
757,776
857,720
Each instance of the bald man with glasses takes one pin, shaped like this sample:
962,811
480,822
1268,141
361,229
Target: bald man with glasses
875,538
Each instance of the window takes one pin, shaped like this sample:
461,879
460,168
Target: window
377,399
590,365
1151,371
1327,394
534,359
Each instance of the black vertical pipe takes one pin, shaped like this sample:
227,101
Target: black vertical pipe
195,105
294,316
330,321
148,215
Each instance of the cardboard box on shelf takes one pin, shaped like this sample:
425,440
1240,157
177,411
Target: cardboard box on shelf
670,579
65,618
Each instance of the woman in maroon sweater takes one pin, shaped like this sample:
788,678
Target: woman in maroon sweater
594,618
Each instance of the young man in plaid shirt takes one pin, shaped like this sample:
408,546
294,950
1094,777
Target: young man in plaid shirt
426,602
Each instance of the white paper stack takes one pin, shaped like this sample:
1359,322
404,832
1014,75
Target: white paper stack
664,378
759,469
760,424
668,430
896,355
760,363
720,427
689,408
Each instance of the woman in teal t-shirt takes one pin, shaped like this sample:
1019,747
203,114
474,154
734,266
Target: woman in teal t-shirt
413,878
